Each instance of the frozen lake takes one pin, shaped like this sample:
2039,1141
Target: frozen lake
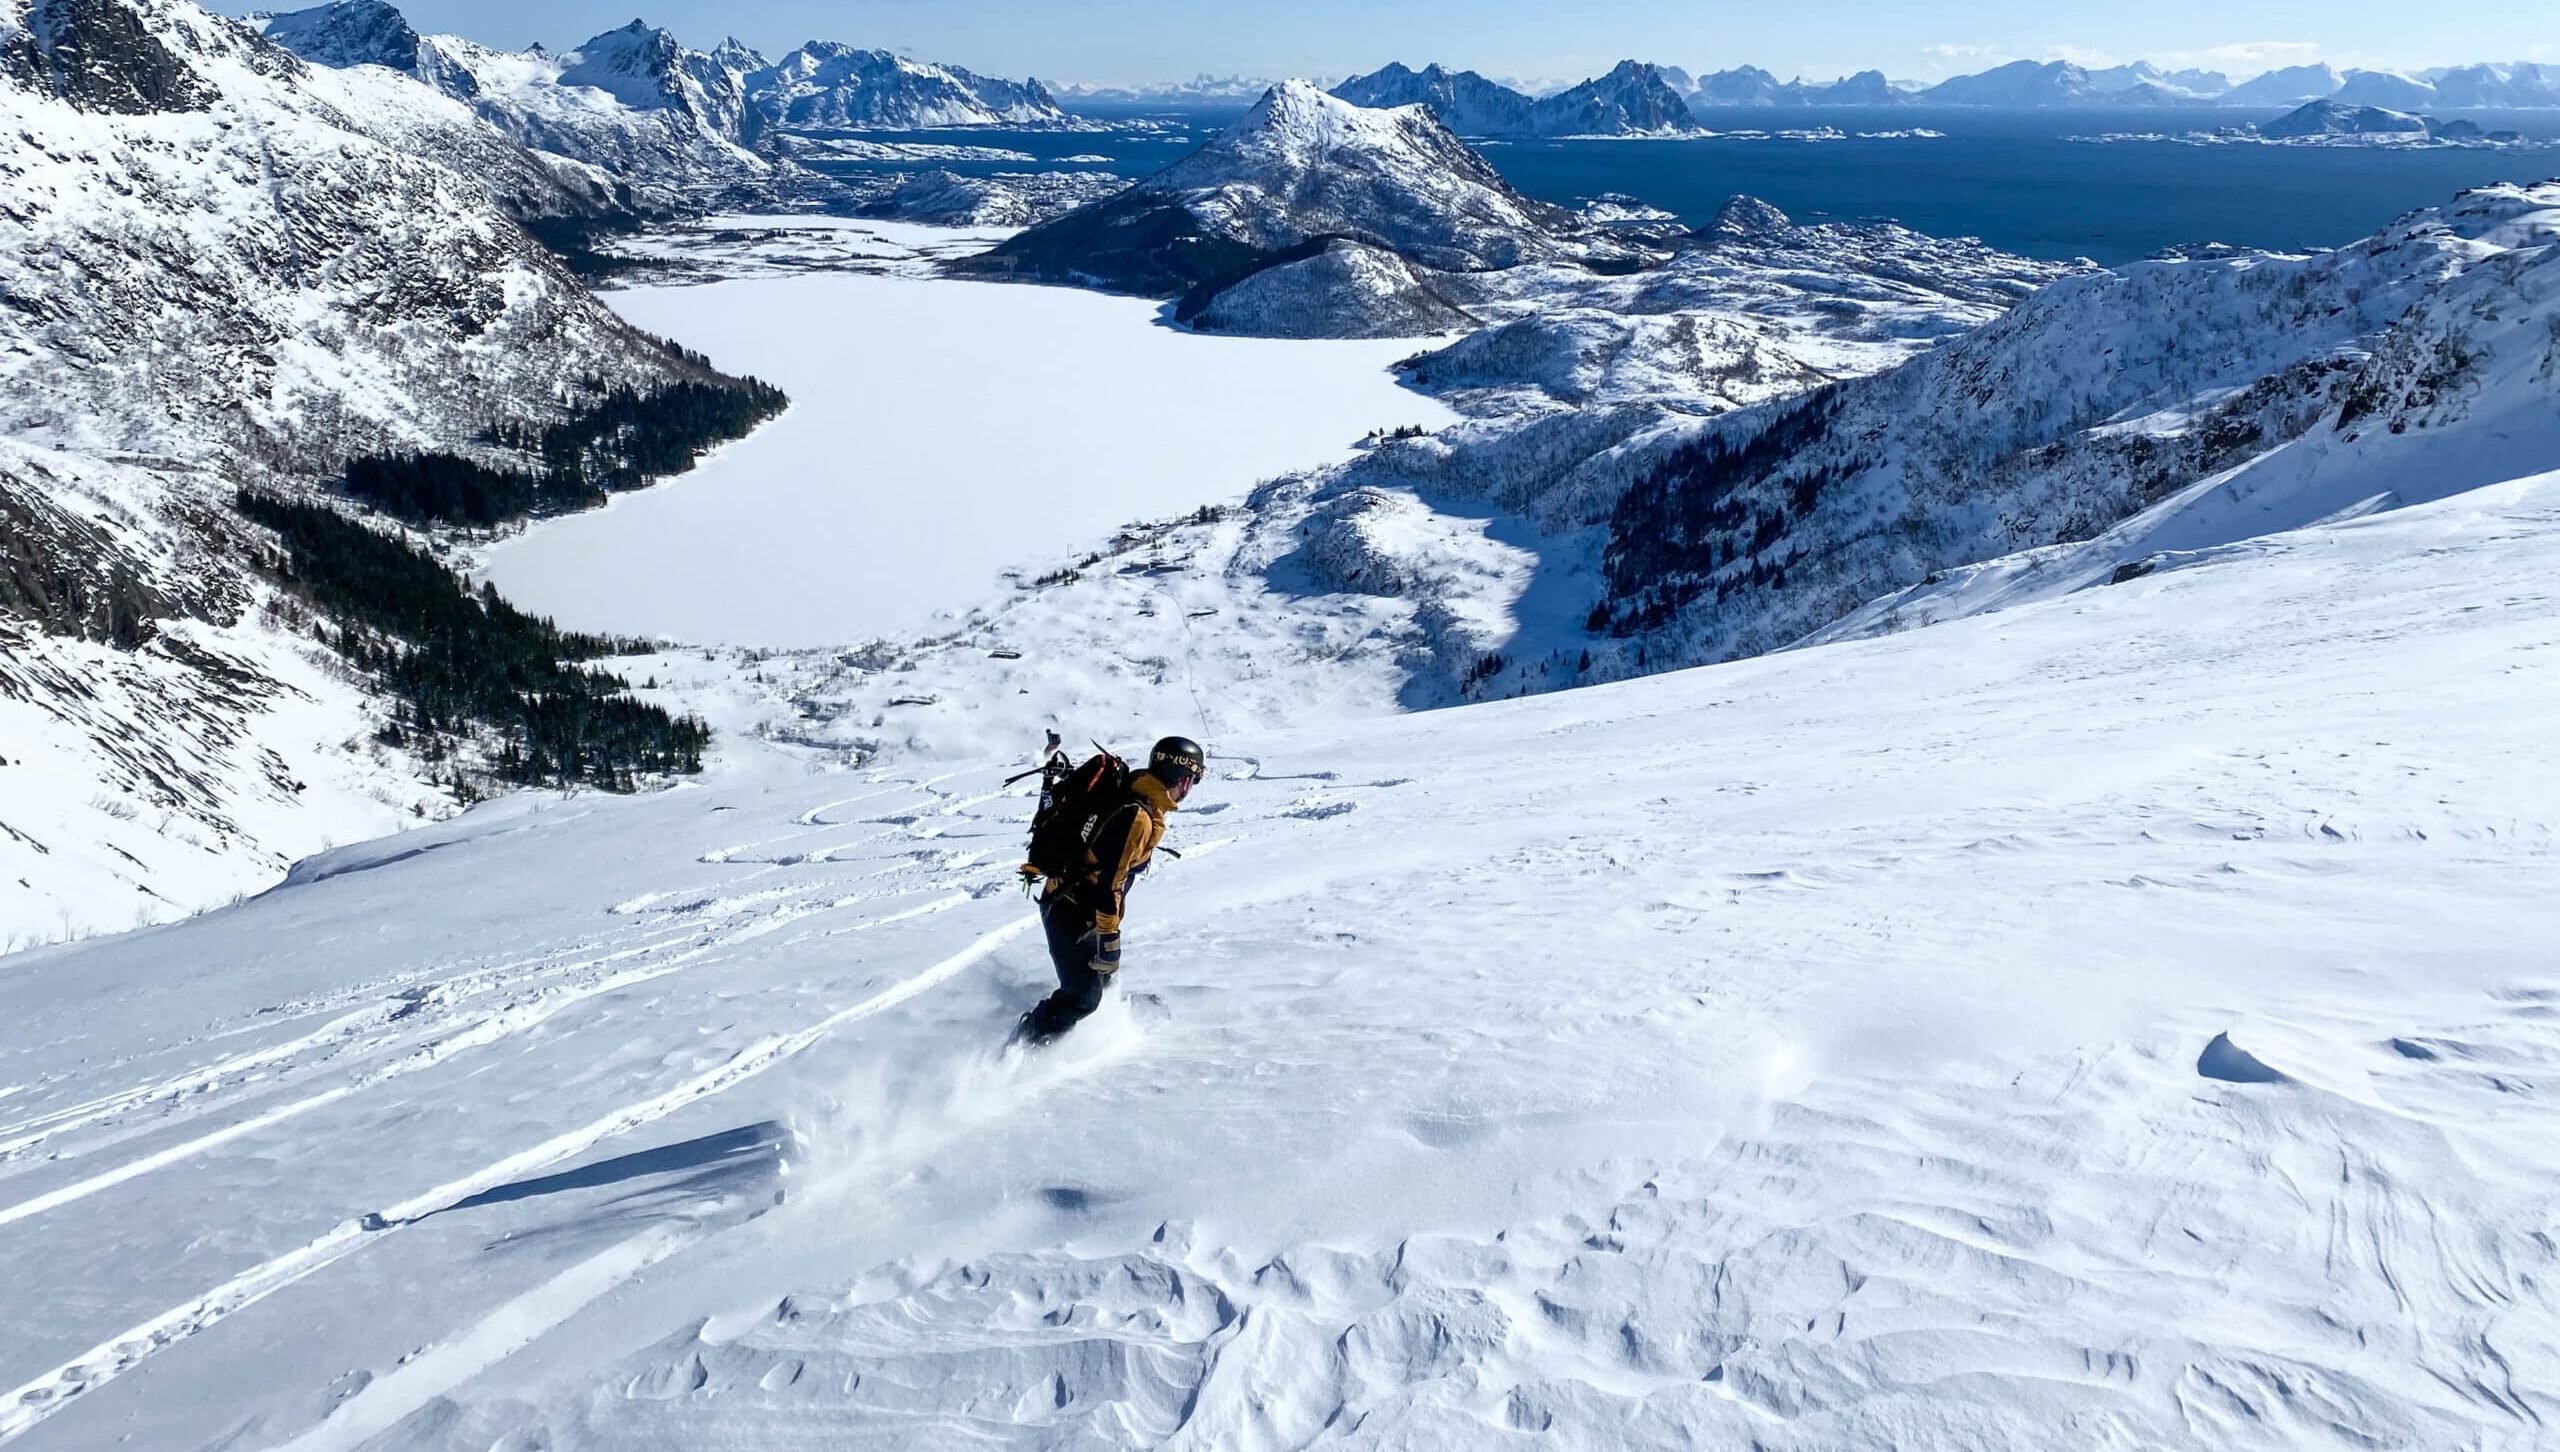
939,433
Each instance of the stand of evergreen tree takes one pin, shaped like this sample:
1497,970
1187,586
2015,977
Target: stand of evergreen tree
457,659
624,440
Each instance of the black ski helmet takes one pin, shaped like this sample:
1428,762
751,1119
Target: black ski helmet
1177,759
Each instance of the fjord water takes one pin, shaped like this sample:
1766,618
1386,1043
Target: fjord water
2025,183
2019,180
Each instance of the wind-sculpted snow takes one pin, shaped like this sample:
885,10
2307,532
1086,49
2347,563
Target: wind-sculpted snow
2121,1021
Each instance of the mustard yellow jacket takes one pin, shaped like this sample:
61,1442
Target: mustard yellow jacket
1120,850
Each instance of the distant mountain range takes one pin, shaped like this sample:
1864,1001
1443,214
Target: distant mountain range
680,127
1641,99
1633,100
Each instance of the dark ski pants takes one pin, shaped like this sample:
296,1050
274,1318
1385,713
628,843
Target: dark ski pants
1081,982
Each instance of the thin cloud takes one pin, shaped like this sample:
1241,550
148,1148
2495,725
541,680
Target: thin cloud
2242,59
2085,56
1949,58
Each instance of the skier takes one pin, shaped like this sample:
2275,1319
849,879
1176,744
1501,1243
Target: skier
1113,829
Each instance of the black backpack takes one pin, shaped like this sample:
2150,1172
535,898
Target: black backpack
1074,803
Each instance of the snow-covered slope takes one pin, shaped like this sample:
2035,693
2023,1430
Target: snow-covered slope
245,270
170,738
226,267
1332,287
1394,578
668,122
2097,398
827,86
1301,165
2121,1022
2523,84
2388,90
1005,199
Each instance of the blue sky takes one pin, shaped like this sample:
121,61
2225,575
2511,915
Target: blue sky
1142,40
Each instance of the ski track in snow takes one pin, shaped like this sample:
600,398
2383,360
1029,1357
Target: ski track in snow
1530,1072
23,1408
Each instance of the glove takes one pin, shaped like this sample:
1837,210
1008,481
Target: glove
1106,952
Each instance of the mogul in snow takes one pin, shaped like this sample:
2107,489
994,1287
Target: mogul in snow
1097,828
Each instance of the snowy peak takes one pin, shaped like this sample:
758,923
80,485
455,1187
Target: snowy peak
1301,165
639,65
827,86
1631,100
666,122
1465,102
1635,99
2018,84
2341,118
348,33
2389,89
2288,86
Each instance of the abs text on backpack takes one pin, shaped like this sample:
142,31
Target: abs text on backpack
1074,804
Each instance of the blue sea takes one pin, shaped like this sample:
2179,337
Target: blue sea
2021,181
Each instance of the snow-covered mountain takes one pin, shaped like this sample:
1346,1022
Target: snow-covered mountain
2341,118
2201,84
229,266
1465,102
827,86
1201,91
2388,90
2027,85
2425,347
1752,86
2522,85
1300,166
670,123
1632,100
2286,86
